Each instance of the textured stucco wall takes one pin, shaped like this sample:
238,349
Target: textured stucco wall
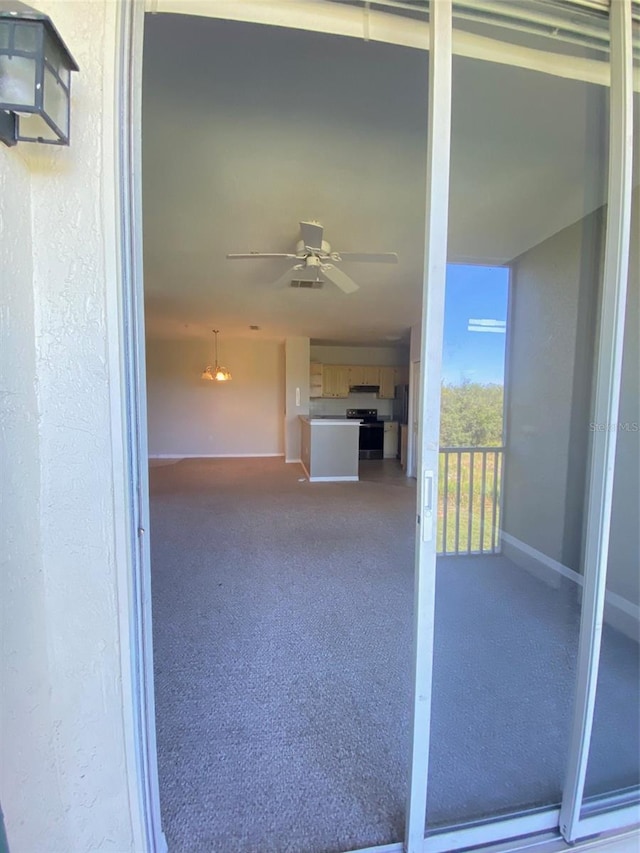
28,750
66,720
189,416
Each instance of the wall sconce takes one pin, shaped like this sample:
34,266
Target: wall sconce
35,77
216,373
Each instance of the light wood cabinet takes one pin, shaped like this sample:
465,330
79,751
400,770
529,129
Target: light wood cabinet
371,375
387,383
315,379
335,380
356,374
363,374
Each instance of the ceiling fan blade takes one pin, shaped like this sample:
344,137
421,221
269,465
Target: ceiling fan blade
311,233
260,255
285,279
369,257
339,278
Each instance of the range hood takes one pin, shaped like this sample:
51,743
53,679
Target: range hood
364,389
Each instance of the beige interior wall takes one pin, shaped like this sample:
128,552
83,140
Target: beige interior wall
189,416
379,355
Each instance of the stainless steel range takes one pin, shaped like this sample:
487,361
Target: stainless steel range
371,444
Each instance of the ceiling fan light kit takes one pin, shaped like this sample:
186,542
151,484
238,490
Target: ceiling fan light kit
215,373
315,258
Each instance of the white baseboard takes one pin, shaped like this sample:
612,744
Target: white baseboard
328,479
214,455
536,562
334,479
291,461
620,613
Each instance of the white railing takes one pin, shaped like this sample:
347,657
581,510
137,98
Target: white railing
469,500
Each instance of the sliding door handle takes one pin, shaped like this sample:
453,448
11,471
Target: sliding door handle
427,506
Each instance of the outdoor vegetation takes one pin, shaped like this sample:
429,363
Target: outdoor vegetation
469,492
471,415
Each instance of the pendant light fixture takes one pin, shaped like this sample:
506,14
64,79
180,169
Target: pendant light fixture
215,373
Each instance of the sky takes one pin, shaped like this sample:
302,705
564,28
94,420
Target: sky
471,352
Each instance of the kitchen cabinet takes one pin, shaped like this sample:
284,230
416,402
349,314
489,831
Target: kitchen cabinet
371,375
363,374
390,447
329,448
315,379
387,383
335,380
356,374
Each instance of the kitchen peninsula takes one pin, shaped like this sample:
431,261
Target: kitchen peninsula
329,448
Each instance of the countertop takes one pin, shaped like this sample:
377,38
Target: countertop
329,420
387,419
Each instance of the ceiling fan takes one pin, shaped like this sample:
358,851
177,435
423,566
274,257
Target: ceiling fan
315,257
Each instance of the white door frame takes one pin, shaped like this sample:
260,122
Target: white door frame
607,399
428,444
128,96
413,418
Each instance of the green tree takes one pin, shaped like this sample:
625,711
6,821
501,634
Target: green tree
471,415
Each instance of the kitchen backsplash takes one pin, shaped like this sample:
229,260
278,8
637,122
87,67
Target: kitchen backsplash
327,406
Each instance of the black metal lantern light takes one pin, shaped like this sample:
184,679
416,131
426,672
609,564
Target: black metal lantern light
35,77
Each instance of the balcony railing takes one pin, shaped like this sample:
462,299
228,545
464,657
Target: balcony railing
469,500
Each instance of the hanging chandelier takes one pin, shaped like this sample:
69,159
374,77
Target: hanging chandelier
215,373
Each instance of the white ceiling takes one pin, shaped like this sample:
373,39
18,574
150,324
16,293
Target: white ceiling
248,129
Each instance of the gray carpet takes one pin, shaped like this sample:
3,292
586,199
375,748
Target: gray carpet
283,634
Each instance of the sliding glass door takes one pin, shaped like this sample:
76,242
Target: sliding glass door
528,185
525,696
607,768
508,642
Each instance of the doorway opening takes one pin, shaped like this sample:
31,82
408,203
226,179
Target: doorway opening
215,518
282,608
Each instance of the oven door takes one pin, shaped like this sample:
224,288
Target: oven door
371,444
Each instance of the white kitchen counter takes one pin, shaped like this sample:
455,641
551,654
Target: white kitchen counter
329,448
330,420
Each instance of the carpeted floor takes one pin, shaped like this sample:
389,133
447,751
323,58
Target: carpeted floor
283,636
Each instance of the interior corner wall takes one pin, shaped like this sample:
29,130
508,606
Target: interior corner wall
297,360
554,294
190,416
68,778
